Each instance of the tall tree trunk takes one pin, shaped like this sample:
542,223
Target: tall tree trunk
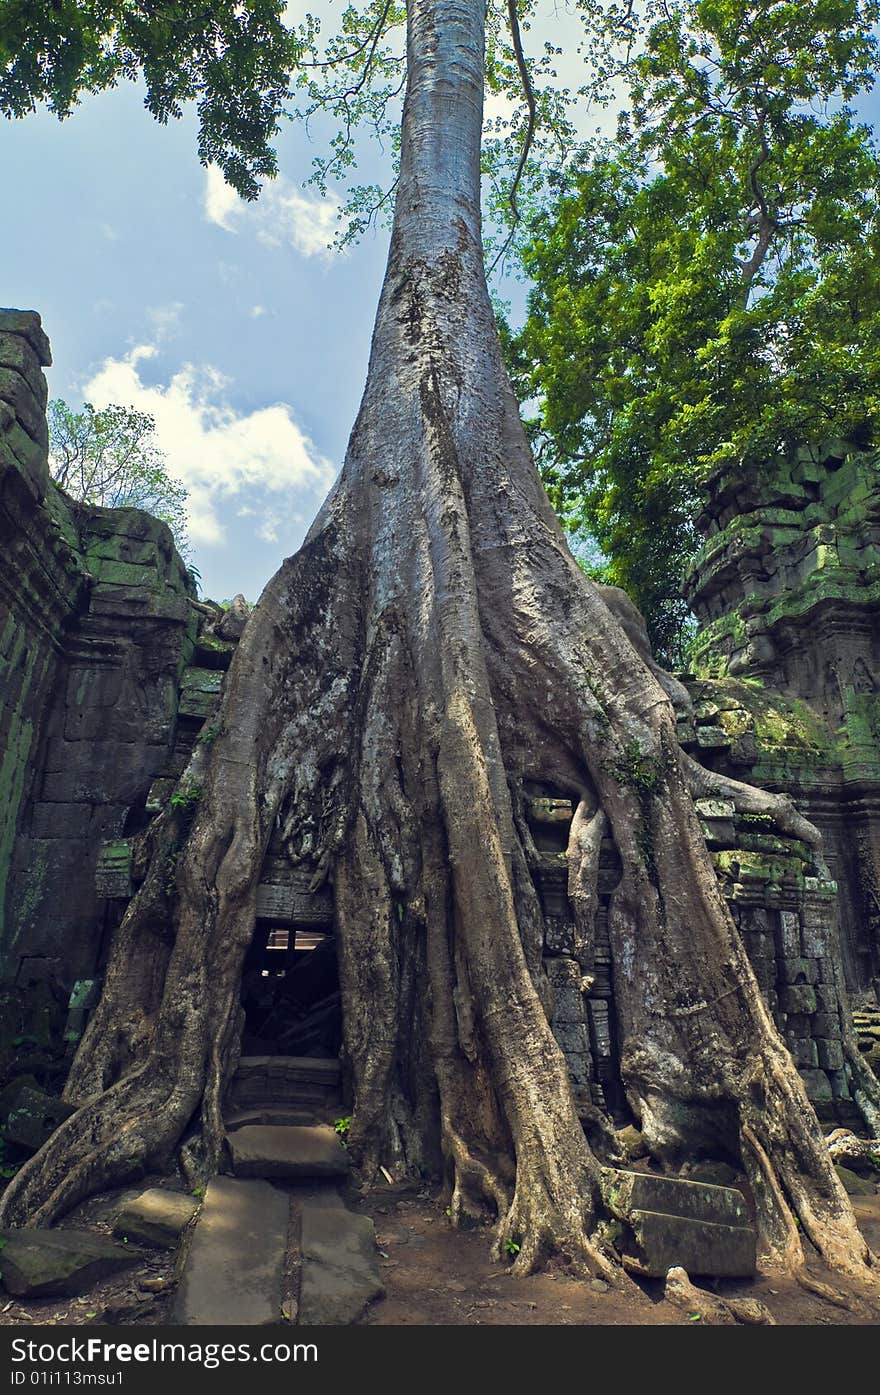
431,647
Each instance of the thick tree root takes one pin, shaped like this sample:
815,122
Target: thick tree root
710,1309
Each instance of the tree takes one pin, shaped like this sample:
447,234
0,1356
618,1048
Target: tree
707,287
109,458
431,645
234,61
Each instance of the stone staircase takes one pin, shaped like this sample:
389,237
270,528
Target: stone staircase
275,1241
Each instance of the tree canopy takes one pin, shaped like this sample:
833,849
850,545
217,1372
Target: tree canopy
707,286
110,458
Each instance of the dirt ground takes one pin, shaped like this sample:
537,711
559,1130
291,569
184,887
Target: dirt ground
436,1276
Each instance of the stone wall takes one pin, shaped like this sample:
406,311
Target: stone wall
96,626
785,910
787,592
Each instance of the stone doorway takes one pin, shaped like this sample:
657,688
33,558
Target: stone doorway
290,993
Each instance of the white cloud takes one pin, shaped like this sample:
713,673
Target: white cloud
268,530
281,216
165,319
214,449
257,311
222,203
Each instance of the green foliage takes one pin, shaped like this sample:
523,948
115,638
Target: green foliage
707,288
109,458
187,797
512,1247
234,61
641,771
342,1125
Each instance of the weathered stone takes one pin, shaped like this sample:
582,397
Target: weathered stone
27,325
113,872
803,1051
235,1263
817,1084
798,997
791,595
34,1118
232,622
156,1217
339,1264
294,1153
632,1143
661,1242
565,982
800,970
712,1171
88,681
558,935
17,393
628,1192
830,1054
553,811
83,996
290,903
710,738
59,1263
10,1093
267,1114
715,808
199,692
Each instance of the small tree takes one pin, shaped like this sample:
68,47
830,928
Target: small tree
110,458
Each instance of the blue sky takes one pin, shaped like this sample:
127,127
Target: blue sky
232,324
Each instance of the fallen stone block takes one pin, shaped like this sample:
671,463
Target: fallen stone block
35,1117
38,1263
10,1093
156,1217
658,1243
627,1192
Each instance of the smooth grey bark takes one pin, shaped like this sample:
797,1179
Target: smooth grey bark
432,646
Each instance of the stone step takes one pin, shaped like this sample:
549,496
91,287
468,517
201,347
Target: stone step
320,1069
293,1153
268,1114
657,1243
235,1264
340,1273
627,1192
293,1081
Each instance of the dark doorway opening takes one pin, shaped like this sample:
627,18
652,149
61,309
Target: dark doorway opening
290,993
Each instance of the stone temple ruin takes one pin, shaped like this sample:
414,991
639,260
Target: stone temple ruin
110,670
